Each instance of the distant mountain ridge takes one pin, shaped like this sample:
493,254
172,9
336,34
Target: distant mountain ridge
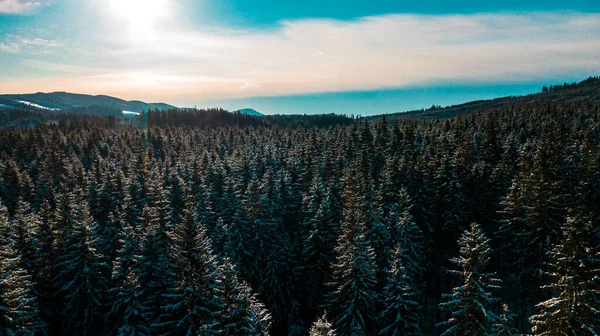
88,104
588,89
77,102
250,112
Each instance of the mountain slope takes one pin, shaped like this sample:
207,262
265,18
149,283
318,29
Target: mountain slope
68,101
249,111
588,89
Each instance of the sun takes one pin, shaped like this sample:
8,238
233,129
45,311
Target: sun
141,14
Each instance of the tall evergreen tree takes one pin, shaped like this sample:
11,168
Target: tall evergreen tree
80,269
318,253
19,310
470,305
125,290
23,234
243,314
156,271
402,298
134,318
19,299
353,302
198,305
574,272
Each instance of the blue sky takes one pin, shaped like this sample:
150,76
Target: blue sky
355,57
264,12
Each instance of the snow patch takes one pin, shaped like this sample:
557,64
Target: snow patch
36,105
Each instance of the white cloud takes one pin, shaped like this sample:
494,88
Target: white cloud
16,44
9,47
312,55
249,85
19,6
39,42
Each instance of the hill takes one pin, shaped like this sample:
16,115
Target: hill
250,112
588,89
66,101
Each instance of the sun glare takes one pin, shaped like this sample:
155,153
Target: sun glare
141,14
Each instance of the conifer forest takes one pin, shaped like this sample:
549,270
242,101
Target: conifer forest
205,222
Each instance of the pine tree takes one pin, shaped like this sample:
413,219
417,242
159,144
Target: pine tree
242,314
409,237
45,258
574,270
80,269
10,183
263,249
23,233
5,322
134,318
177,201
108,235
197,304
402,298
19,310
533,212
318,253
353,302
156,271
505,325
19,298
470,305
125,285
322,327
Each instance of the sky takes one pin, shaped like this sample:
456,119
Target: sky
309,56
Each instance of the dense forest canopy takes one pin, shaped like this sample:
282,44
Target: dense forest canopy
202,223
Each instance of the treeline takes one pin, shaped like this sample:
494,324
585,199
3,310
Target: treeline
307,120
14,118
591,81
196,118
11,119
216,117
483,224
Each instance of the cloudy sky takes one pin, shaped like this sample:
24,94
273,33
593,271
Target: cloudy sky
310,56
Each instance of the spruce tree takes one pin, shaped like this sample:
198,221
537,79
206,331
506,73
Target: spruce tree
353,301
242,313
318,253
133,316
505,325
23,234
45,258
156,271
322,327
574,272
19,299
125,290
533,212
4,242
402,298
19,310
470,305
81,270
198,304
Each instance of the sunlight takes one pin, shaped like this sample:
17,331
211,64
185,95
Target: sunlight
141,14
